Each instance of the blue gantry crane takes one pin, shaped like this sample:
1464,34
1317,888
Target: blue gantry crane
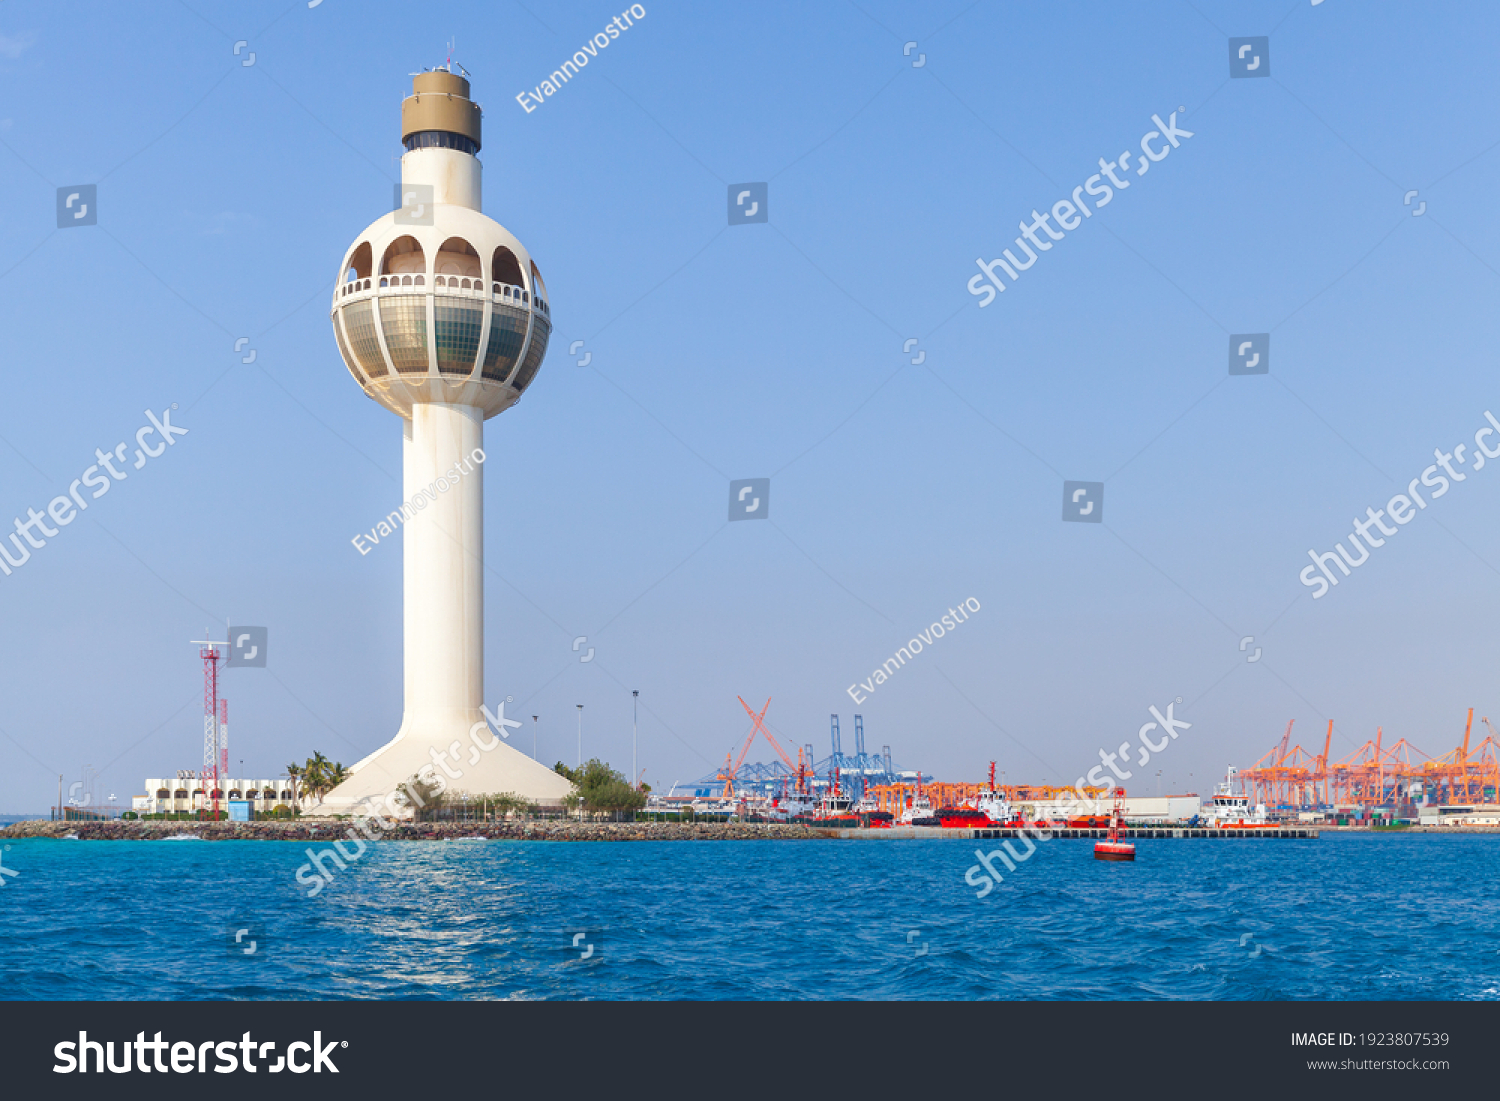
857,771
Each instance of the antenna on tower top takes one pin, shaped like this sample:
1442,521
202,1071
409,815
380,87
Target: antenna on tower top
449,64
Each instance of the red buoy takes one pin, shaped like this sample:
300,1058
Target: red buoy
1114,848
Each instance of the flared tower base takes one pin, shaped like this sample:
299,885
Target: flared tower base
479,763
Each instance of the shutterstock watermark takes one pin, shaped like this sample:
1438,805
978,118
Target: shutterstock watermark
1402,508
1070,213
419,500
63,510
893,664
1078,799
370,823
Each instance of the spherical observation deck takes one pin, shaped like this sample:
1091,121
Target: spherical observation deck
453,312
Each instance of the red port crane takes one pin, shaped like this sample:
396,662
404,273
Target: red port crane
759,727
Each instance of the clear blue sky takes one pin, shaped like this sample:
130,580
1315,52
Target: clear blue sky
227,194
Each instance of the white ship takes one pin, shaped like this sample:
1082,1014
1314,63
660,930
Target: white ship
993,806
1232,808
921,807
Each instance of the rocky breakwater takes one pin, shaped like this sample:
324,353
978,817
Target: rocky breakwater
327,829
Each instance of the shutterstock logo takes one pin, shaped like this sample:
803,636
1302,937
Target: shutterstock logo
748,203
1083,502
1250,354
750,499
73,1057
1249,57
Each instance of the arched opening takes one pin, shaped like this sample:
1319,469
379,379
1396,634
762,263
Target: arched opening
286,795
403,256
179,794
163,793
404,316
270,794
234,793
456,257
505,268
359,264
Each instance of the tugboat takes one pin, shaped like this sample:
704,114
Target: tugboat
995,807
870,814
963,818
1114,848
796,806
994,803
836,810
1231,808
990,809
919,811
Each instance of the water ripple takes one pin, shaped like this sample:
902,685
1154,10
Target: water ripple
1345,917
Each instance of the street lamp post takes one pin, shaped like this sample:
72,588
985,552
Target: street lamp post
533,737
580,735
635,703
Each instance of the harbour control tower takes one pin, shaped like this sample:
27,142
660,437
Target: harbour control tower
442,317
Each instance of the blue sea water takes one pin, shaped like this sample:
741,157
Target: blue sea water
1349,916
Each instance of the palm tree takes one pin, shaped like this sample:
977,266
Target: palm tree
293,771
316,774
319,775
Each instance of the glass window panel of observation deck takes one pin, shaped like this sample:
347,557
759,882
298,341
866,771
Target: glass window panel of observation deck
534,354
404,317
457,325
364,341
338,335
507,334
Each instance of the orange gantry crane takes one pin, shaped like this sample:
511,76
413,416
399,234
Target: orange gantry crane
1377,775
1462,776
1320,766
1287,778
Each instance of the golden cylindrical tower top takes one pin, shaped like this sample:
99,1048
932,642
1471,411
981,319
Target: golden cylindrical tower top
440,103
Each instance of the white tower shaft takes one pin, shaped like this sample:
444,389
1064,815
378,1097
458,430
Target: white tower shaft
455,177
443,571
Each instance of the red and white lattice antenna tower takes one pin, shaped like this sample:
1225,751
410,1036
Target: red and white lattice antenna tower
223,747
210,777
